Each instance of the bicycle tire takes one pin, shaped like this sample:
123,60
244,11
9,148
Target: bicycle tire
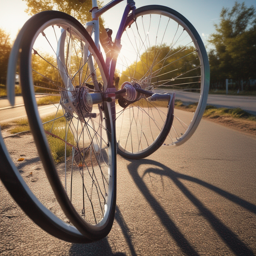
94,225
142,70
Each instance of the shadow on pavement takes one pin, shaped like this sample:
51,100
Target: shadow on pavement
125,229
102,247
28,162
231,239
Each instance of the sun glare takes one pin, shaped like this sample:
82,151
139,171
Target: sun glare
13,16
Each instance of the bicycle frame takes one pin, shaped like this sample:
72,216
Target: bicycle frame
93,26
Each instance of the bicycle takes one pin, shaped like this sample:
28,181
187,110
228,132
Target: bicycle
94,103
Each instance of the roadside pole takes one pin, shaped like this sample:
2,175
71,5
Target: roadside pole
226,86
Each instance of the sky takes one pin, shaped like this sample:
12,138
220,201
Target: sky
201,13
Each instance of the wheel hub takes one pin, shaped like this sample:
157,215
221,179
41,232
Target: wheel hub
131,95
79,102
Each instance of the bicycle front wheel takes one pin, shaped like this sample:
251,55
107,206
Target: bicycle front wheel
162,53
75,136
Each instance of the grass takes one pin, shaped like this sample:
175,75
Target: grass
213,112
5,126
143,103
20,126
188,107
57,146
48,100
57,128
3,92
150,104
42,101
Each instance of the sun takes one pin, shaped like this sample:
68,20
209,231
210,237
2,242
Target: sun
13,16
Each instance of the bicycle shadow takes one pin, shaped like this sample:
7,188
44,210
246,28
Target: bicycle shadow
229,238
103,247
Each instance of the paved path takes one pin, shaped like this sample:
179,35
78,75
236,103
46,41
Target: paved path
247,103
11,114
196,199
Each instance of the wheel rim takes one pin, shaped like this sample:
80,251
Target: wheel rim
163,53
78,139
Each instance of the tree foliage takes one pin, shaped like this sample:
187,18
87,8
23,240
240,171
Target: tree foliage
234,56
47,72
5,49
165,66
77,8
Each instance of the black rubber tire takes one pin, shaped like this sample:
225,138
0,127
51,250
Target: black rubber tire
90,232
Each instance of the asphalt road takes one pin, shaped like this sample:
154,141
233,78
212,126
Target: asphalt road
11,114
247,103
196,199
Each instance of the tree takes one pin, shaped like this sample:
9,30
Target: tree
163,66
5,49
234,55
77,8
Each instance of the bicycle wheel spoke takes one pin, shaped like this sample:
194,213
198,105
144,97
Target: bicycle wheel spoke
162,54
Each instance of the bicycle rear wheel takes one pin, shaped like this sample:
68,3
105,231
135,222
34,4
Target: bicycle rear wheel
76,136
161,53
